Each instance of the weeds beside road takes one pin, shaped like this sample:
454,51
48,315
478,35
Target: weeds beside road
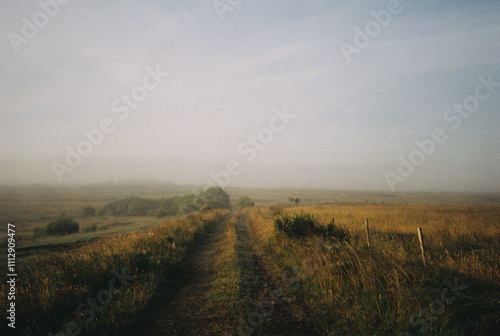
234,273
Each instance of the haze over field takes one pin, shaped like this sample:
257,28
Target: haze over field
317,94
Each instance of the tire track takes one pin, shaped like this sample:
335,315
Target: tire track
262,308
189,312
272,311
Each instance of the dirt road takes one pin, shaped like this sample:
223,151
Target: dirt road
263,308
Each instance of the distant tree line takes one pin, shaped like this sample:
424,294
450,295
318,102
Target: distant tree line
212,198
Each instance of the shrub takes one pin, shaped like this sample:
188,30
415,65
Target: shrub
303,225
88,211
297,225
330,230
62,226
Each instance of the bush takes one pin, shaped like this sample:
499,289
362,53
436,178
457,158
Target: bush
303,225
330,230
62,226
88,211
297,225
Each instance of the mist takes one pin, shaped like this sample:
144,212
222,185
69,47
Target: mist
323,95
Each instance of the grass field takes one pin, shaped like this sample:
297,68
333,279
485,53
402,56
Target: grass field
33,206
54,285
225,264
384,288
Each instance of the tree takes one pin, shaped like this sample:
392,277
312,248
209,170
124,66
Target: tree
215,198
296,200
243,202
88,211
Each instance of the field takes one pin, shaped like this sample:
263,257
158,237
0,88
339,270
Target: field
231,271
355,289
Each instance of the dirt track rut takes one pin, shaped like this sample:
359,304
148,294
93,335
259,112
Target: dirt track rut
268,312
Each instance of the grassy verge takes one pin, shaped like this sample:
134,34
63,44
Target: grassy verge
51,288
226,278
384,289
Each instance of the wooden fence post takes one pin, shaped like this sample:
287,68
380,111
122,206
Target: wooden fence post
422,246
367,232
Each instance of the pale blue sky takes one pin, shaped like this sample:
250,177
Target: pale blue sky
353,119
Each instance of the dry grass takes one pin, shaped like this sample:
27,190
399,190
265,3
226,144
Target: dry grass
350,288
353,289
226,280
53,286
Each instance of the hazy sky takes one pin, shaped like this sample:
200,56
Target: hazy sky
360,83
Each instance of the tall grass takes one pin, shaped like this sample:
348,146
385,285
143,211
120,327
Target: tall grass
384,289
51,287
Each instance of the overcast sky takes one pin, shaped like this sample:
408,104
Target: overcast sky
358,92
